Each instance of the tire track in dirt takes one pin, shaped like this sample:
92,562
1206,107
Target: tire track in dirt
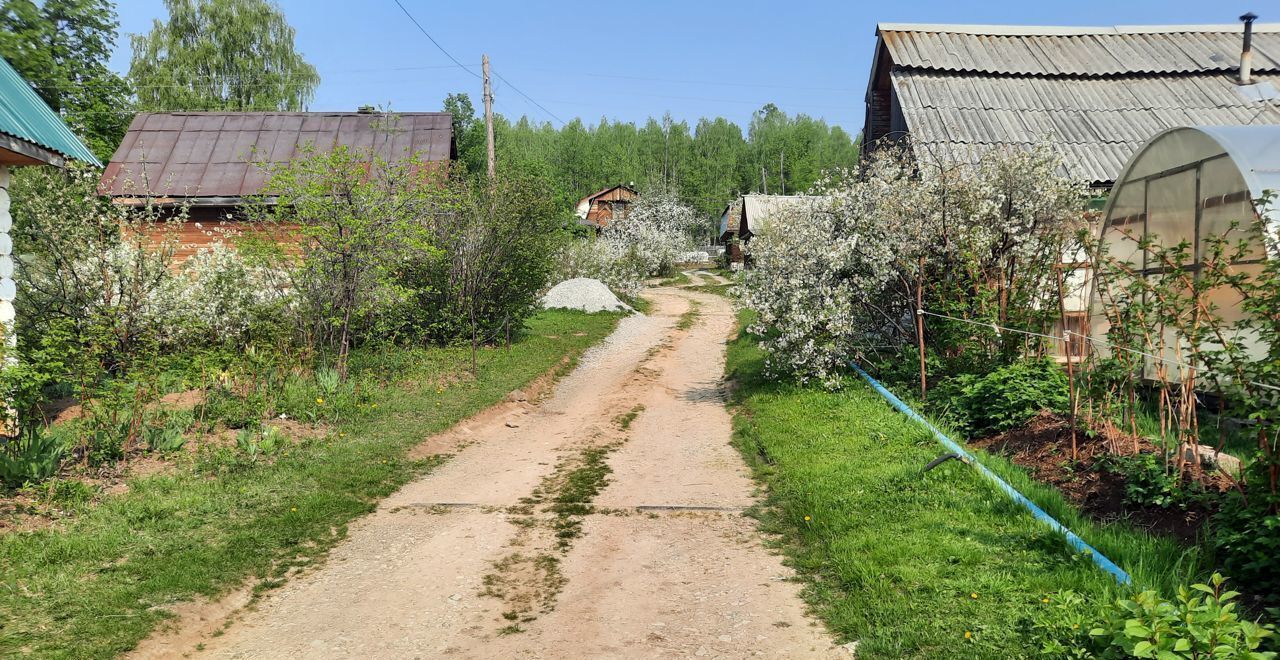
602,522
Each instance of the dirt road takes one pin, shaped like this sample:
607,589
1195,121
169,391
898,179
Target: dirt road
520,546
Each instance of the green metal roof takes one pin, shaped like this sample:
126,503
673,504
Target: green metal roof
24,115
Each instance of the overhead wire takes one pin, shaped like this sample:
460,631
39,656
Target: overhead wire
1066,337
433,39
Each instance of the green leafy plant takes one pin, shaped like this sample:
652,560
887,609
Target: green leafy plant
32,457
1150,481
1006,397
1246,536
256,443
1202,622
164,439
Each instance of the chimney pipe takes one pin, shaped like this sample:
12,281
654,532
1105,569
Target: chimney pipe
1246,54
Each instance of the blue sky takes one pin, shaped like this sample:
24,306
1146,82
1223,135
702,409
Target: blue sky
635,60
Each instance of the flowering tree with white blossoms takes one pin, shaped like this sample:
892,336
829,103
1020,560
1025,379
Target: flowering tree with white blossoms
645,243
975,241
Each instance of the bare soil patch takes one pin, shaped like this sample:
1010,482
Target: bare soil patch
1043,447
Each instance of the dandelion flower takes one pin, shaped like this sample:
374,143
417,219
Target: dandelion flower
294,509
319,401
807,518
968,635
974,595
1045,599
373,405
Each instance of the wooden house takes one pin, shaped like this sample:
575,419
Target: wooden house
212,163
610,204
30,134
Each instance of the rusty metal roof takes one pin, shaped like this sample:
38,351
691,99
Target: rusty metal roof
218,155
1087,51
1095,94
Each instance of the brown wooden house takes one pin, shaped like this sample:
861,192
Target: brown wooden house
607,205
213,163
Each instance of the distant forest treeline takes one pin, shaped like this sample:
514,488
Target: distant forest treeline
708,164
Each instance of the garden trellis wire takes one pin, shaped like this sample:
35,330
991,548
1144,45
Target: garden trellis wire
1066,337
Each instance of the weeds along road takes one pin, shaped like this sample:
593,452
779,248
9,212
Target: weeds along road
604,521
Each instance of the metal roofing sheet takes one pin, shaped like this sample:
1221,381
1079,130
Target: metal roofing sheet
1080,51
218,154
1096,123
24,115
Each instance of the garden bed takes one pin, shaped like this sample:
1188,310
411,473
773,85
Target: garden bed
1043,447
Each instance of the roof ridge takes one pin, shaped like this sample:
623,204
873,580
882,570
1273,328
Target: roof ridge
1067,30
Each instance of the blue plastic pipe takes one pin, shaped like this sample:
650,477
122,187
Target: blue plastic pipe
1075,541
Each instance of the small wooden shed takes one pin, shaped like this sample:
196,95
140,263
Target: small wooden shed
607,205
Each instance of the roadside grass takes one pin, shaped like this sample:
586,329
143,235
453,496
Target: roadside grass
103,581
913,564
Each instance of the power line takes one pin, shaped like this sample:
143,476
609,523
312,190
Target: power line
464,67
529,99
433,39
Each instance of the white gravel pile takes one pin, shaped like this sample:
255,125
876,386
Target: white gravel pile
585,294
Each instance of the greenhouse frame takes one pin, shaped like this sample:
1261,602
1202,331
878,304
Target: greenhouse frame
1189,184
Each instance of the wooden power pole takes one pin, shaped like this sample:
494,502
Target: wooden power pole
488,114
782,171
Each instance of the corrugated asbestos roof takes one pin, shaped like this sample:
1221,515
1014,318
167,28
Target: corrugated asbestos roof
1095,94
1033,51
24,115
216,154
1096,124
757,209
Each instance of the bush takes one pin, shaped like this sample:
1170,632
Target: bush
32,457
1006,397
838,280
1150,481
1203,621
1246,536
645,243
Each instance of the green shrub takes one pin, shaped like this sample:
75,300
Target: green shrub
1149,482
1004,398
32,457
1246,536
1202,622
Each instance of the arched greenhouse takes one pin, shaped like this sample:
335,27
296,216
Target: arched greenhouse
1188,184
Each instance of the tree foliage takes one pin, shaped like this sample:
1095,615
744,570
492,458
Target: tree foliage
61,48
979,242
705,165
233,55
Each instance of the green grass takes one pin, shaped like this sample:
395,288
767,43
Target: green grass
97,586
893,557
681,278
690,316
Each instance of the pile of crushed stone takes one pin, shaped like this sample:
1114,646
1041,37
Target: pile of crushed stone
584,294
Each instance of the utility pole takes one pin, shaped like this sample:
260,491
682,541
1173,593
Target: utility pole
488,114
782,176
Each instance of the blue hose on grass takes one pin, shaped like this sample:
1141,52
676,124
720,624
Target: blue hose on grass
1075,541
